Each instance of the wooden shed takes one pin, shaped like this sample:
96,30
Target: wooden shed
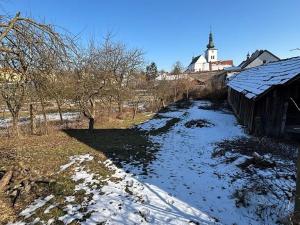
265,98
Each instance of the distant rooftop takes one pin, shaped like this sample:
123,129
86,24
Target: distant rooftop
254,55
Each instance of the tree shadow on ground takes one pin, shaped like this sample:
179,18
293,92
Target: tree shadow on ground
128,146
122,146
135,147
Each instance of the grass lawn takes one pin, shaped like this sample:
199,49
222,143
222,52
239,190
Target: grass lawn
41,157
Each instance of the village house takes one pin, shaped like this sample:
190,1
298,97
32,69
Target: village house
258,58
209,61
266,98
170,76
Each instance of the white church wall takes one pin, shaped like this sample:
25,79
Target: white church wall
199,65
206,67
212,55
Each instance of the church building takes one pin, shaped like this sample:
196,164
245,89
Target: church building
209,61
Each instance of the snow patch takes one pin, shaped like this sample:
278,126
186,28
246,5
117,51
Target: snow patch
76,159
38,203
69,116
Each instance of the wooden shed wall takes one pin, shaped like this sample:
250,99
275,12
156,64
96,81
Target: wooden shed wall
242,107
268,114
272,108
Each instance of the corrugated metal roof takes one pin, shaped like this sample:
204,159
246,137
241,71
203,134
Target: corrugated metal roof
257,80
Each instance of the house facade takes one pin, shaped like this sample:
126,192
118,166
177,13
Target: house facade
209,61
259,57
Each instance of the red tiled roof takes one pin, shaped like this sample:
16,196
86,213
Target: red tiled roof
223,62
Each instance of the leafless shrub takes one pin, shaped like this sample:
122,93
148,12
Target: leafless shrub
198,123
247,146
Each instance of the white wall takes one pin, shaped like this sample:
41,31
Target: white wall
265,56
200,65
166,76
219,66
211,55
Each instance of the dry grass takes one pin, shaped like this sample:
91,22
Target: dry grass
247,146
271,172
43,155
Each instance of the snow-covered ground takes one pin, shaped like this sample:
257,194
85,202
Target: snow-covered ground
184,185
50,116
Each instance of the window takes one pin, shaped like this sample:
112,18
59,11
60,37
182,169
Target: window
264,61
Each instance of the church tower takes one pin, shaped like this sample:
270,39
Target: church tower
211,53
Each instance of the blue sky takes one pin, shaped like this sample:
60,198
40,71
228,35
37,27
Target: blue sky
171,30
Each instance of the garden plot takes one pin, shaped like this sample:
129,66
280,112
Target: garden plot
186,182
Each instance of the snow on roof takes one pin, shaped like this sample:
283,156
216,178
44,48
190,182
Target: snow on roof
257,80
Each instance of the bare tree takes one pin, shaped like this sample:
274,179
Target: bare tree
90,82
60,90
187,84
121,64
177,68
161,92
137,92
176,84
23,41
48,78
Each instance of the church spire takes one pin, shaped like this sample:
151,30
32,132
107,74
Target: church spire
211,41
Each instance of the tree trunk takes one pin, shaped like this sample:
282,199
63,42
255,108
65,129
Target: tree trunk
15,126
3,113
120,106
32,123
187,94
91,124
44,116
175,95
135,108
163,103
5,180
110,107
59,111
91,115
93,107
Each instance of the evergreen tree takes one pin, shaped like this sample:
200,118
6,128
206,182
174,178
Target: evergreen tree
151,71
